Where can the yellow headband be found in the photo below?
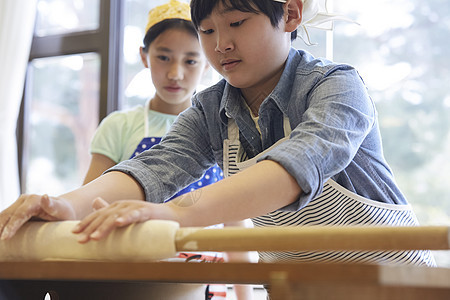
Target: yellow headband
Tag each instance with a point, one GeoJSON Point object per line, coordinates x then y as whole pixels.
{"type": "Point", "coordinates": [172, 10]}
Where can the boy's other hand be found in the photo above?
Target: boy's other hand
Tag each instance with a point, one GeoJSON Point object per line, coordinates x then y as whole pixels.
{"type": "Point", "coordinates": [106, 218]}
{"type": "Point", "coordinates": [31, 206]}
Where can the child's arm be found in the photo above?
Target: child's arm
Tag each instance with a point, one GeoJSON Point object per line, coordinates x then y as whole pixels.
{"type": "Point", "coordinates": [99, 164]}
{"type": "Point", "coordinates": [256, 191]}
{"type": "Point", "coordinates": [112, 186]}
{"type": "Point", "coordinates": [260, 189]}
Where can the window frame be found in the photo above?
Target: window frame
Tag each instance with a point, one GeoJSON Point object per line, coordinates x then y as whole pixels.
{"type": "Point", "coordinates": [106, 41]}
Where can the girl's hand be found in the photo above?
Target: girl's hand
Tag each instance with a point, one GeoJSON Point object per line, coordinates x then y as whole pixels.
{"type": "Point", "coordinates": [106, 218]}
{"type": "Point", "coordinates": [41, 207]}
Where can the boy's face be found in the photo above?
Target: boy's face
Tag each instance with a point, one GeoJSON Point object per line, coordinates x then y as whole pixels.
{"type": "Point", "coordinates": [244, 47]}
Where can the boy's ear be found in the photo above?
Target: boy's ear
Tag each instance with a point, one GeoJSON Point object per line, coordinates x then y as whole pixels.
{"type": "Point", "coordinates": [143, 57]}
{"type": "Point", "coordinates": [293, 13]}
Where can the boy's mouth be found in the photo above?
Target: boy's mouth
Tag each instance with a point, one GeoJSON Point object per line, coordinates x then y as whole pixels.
{"type": "Point", "coordinates": [228, 64]}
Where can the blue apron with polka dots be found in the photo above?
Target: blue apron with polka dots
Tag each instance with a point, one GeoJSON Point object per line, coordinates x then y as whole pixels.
{"type": "Point", "coordinates": [212, 175]}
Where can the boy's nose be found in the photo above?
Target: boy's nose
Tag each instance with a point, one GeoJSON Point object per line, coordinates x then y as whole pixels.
{"type": "Point", "coordinates": [224, 45]}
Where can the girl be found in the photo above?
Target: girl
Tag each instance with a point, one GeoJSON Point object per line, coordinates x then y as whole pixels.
{"type": "Point", "coordinates": [172, 53]}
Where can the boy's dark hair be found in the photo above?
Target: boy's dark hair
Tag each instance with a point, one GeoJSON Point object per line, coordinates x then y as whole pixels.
{"type": "Point", "coordinates": [201, 9]}
{"type": "Point", "coordinates": [154, 31]}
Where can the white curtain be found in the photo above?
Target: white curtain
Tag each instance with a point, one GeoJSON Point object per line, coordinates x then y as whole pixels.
{"type": "Point", "coordinates": [16, 31]}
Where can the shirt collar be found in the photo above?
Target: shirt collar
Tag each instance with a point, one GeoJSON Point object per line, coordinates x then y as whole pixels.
{"type": "Point", "coordinates": [231, 102]}
{"type": "Point", "coordinates": [281, 94]}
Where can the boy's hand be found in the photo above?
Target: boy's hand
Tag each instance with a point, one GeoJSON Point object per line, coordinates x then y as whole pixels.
{"type": "Point", "coordinates": [106, 218]}
{"type": "Point", "coordinates": [41, 207]}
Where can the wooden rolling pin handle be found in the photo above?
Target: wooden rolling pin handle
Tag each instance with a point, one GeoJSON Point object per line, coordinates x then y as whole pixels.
{"type": "Point", "coordinates": [313, 238]}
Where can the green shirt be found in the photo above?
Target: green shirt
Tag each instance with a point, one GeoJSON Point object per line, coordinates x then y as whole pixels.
{"type": "Point", "coordinates": [120, 132]}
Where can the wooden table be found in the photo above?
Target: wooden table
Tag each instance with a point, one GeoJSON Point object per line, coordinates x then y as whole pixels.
{"type": "Point", "coordinates": [124, 280]}
{"type": "Point", "coordinates": [110, 279]}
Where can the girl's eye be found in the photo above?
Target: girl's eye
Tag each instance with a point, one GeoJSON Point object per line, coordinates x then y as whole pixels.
{"type": "Point", "coordinates": [236, 24]}
{"type": "Point", "coordinates": [191, 62]}
{"type": "Point", "coordinates": [163, 58]}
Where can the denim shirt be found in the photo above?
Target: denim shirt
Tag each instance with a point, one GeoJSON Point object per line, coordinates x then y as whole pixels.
{"type": "Point", "coordinates": [334, 135]}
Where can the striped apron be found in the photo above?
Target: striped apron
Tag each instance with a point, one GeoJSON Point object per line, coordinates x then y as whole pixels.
{"type": "Point", "coordinates": [334, 206]}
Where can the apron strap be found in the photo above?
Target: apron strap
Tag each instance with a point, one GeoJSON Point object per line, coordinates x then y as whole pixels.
{"type": "Point", "coordinates": [233, 130]}
{"type": "Point", "coordinates": [286, 126]}
{"type": "Point", "coordinates": [146, 110]}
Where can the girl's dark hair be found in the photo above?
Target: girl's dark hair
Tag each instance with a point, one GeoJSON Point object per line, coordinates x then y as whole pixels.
{"type": "Point", "coordinates": [154, 31]}
{"type": "Point", "coordinates": [201, 9]}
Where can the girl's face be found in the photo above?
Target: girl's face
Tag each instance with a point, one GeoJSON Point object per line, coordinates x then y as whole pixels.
{"type": "Point", "coordinates": [245, 49]}
{"type": "Point", "coordinates": [177, 64]}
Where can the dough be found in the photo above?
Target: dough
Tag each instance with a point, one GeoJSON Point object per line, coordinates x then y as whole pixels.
{"type": "Point", "coordinates": [37, 241]}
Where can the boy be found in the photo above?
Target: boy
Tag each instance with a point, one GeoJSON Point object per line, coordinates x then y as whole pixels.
{"type": "Point", "coordinates": [299, 135]}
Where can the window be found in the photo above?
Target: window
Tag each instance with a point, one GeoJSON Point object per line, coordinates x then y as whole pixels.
{"type": "Point", "coordinates": [66, 16]}
{"type": "Point", "coordinates": [400, 51]}
{"type": "Point", "coordinates": [72, 83]}
{"type": "Point", "coordinates": [63, 116]}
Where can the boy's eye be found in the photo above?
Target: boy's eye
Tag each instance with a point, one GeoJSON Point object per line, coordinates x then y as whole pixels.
{"type": "Point", "coordinates": [236, 24]}
{"type": "Point", "coordinates": [191, 62]}
{"type": "Point", "coordinates": [207, 31]}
